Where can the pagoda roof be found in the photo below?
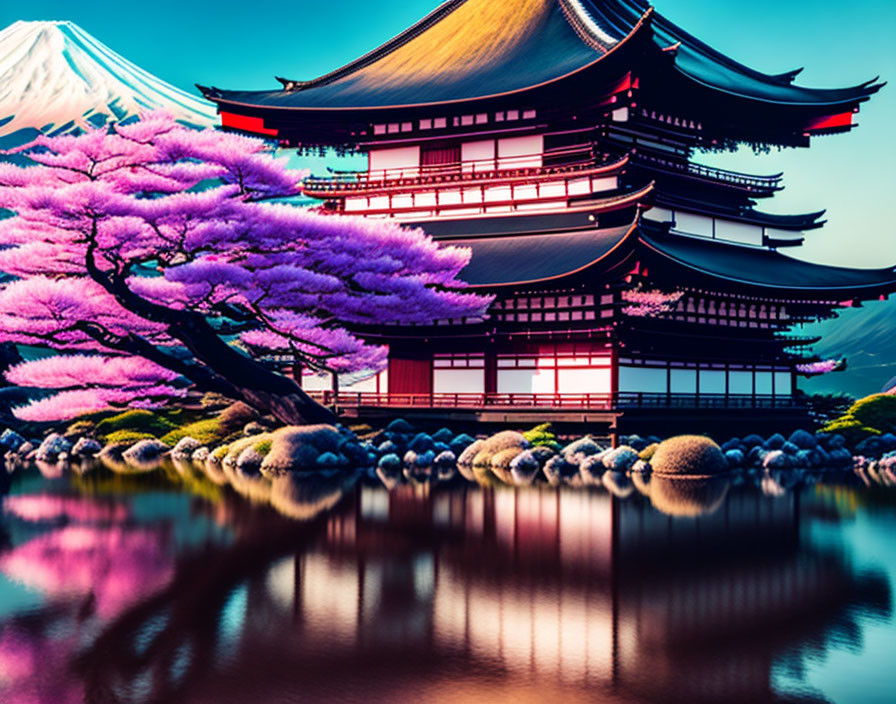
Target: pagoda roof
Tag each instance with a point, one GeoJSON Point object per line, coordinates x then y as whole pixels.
{"type": "Point", "coordinates": [755, 267]}
{"type": "Point", "coordinates": [476, 49]}
{"type": "Point", "coordinates": [536, 258]}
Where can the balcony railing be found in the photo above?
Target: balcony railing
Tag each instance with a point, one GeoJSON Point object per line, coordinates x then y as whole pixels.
{"type": "Point", "coordinates": [748, 181]}
{"type": "Point", "coordinates": [570, 402]}
{"type": "Point", "coordinates": [521, 169]}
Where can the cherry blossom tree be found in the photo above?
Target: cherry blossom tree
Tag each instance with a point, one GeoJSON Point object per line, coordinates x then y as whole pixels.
{"type": "Point", "coordinates": [160, 258]}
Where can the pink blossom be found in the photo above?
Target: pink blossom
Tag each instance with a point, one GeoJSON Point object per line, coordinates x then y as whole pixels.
{"type": "Point", "coordinates": [823, 367]}
{"type": "Point", "coordinates": [116, 564]}
{"type": "Point", "coordinates": [50, 507]}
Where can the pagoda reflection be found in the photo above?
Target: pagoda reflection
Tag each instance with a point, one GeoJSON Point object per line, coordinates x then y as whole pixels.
{"type": "Point", "coordinates": [420, 591]}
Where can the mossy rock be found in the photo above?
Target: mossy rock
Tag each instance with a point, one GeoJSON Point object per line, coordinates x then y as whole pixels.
{"type": "Point", "coordinates": [263, 446]}
{"type": "Point", "coordinates": [469, 453]}
{"type": "Point", "coordinates": [648, 452]}
{"type": "Point", "coordinates": [505, 440]}
{"type": "Point", "coordinates": [542, 435]}
{"type": "Point", "coordinates": [689, 455]}
{"type": "Point", "coordinates": [236, 417]}
{"type": "Point", "coordinates": [127, 437]}
{"type": "Point", "coordinates": [80, 428]}
{"type": "Point", "coordinates": [206, 432]}
{"type": "Point", "coordinates": [878, 411]}
{"type": "Point", "coordinates": [220, 452]}
{"type": "Point", "coordinates": [236, 448]}
{"type": "Point", "coordinates": [137, 421]}
{"type": "Point", "coordinates": [851, 429]}
{"type": "Point", "coordinates": [296, 448]}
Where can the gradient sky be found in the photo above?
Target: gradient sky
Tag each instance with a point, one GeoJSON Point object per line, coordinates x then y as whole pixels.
{"type": "Point", "coordinates": [842, 43]}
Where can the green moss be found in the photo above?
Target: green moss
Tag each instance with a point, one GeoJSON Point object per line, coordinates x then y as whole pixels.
{"type": "Point", "coordinates": [263, 447]}
{"type": "Point", "coordinates": [220, 452]}
{"type": "Point", "coordinates": [80, 427]}
{"type": "Point", "coordinates": [137, 421]}
{"type": "Point", "coordinates": [851, 428]}
{"type": "Point", "coordinates": [878, 412]}
{"type": "Point", "coordinates": [126, 437]}
{"type": "Point", "coordinates": [648, 452]}
{"type": "Point", "coordinates": [541, 435]}
{"type": "Point", "coordinates": [206, 432]}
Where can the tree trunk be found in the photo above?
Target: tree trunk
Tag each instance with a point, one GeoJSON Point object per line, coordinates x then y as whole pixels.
{"type": "Point", "coordinates": [253, 382]}
{"type": "Point", "coordinates": [335, 376]}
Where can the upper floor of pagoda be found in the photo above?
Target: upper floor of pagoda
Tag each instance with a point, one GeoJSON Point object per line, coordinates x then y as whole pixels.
{"type": "Point", "coordinates": [546, 61]}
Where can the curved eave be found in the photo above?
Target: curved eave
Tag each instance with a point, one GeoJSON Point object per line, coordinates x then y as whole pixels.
{"type": "Point", "coordinates": [769, 270]}
{"type": "Point", "coordinates": [814, 98]}
{"type": "Point", "coordinates": [798, 222]}
{"type": "Point", "coordinates": [503, 262]}
{"type": "Point", "coordinates": [668, 33]}
{"type": "Point", "coordinates": [219, 96]}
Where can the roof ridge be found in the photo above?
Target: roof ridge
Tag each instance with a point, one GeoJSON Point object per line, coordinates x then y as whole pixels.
{"type": "Point", "coordinates": [585, 27]}
{"type": "Point", "coordinates": [396, 42]}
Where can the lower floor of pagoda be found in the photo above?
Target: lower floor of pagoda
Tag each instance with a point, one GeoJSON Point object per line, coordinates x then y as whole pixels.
{"type": "Point", "coordinates": [589, 382]}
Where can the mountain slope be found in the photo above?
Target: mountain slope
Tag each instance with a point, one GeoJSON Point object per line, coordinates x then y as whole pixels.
{"type": "Point", "coordinates": [55, 77]}
{"type": "Point", "coordinates": [867, 338]}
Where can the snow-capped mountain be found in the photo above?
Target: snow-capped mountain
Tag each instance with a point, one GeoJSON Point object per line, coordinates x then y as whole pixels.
{"type": "Point", "coordinates": [55, 77]}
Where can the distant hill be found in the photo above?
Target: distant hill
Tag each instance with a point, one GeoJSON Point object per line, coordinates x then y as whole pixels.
{"type": "Point", "coordinates": [56, 78]}
{"type": "Point", "coordinates": [867, 338]}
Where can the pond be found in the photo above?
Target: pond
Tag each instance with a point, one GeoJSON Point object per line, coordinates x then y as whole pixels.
{"type": "Point", "coordinates": [165, 587]}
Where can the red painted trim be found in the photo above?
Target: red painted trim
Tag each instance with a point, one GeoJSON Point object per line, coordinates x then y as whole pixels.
{"type": "Point", "coordinates": [246, 124]}
{"type": "Point", "coordinates": [844, 119]}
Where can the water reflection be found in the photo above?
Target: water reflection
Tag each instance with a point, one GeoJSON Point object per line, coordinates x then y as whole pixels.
{"type": "Point", "coordinates": [685, 592]}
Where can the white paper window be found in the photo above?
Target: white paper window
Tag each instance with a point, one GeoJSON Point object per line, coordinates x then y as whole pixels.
{"type": "Point", "coordinates": [740, 383]}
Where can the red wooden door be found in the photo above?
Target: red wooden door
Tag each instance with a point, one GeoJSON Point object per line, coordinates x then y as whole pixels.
{"type": "Point", "coordinates": [410, 376]}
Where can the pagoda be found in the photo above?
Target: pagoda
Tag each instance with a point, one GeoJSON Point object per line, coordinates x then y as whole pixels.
{"type": "Point", "coordinates": [557, 140]}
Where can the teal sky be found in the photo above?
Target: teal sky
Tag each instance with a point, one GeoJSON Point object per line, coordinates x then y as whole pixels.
{"type": "Point", "coordinates": [843, 43]}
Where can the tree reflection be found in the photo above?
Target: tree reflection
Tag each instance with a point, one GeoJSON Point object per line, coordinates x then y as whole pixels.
{"type": "Point", "coordinates": [406, 594]}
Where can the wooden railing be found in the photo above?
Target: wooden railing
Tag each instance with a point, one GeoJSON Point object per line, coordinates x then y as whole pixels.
{"type": "Point", "coordinates": [587, 402]}
{"type": "Point", "coordinates": [750, 181]}
{"type": "Point", "coordinates": [479, 172]}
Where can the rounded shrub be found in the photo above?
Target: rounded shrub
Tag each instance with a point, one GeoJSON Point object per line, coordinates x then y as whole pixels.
{"type": "Point", "coordinates": [689, 455]}
{"type": "Point", "coordinates": [878, 412]}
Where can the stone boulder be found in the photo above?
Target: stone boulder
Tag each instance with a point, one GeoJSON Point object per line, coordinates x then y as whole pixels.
{"type": "Point", "coordinates": [185, 448]}
{"type": "Point", "coordinates": [52, 446]}
{"type": "Point", "coordinates": [621, 459]}
{"type": "Point", "coordinates": [777, 459]}
{"type": "Point", "coordinates": [751, 441]}
{"type": "Point", "coordinates": [145, 452]}
{"type": "Point", "coordinates": [296, 448]}
{"type": "Point", "coordinates": [505, 440]}
{"type": "Point", "coordinates": [400, 425]}
{"type": "Point", "coordinates": [581, 448]}
{"type": "Point", "coordinates": [11, 440]}
{"type": "Point", "coordinates": [803, 439]}
{"type": "Point", "coordinates": [693, 455]}
{"type": "Point", "coordinates": [445, 460]}
{"type": "Point", "coordinates": [775, 442]}
{"type": "Point", "coordinates": [524, 467]}
{"type": "Point", "coordinates": [86, 447]}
